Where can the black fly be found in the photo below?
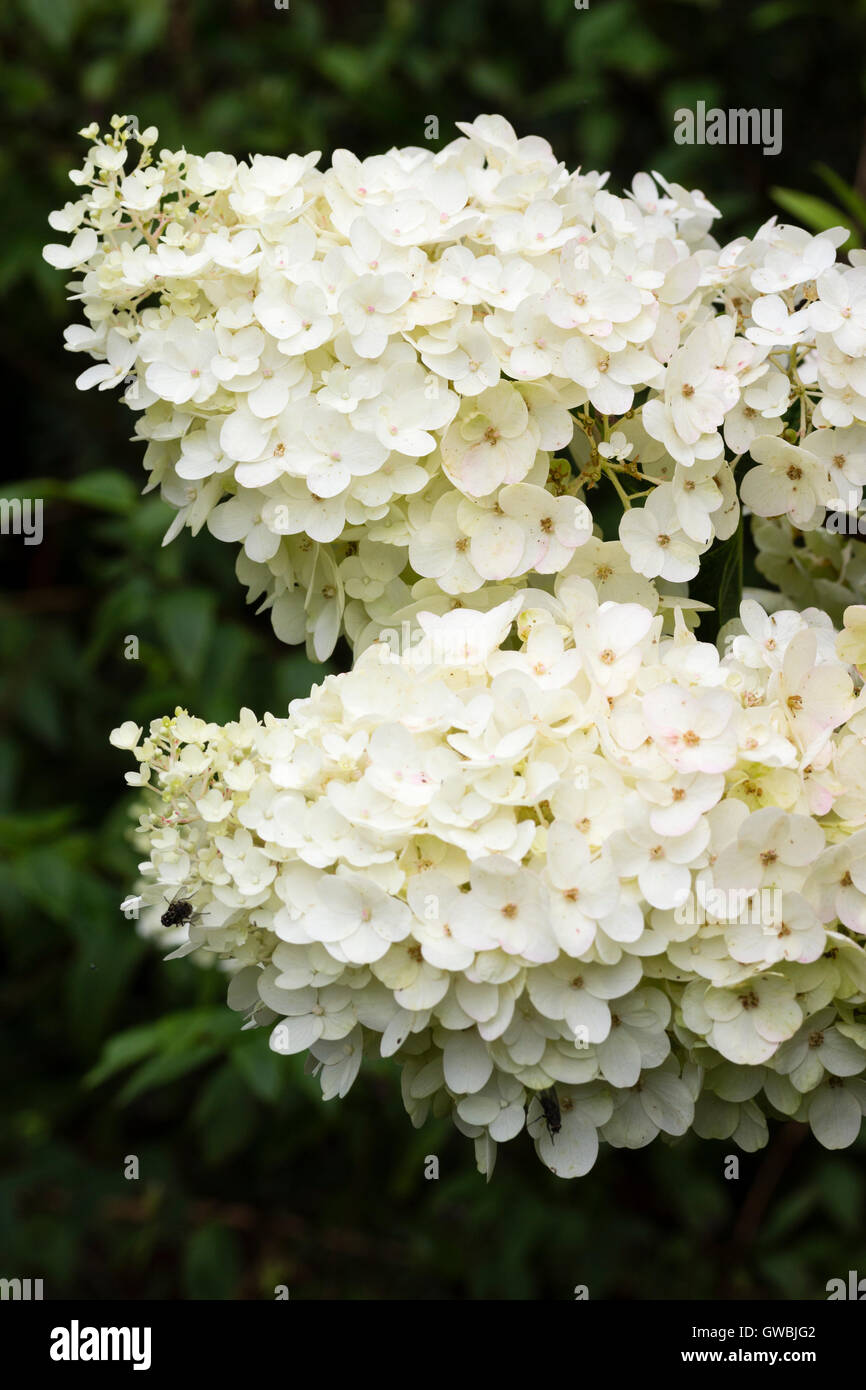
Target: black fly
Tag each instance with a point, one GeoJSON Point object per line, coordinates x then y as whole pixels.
{"type": "Point", "coordinates": [179, 910]}
{"type": "Point", "coordinates": [549, 1103]}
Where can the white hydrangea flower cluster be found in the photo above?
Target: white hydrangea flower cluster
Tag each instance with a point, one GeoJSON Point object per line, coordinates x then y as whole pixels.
{"type": "Point", "coordinates": [364, 375]}
{"type": "Point", "coordinates": [580, 855]}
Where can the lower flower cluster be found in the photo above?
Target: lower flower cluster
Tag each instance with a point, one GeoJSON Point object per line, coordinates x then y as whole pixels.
{"type": "Point", "coordinates": [572, 874]}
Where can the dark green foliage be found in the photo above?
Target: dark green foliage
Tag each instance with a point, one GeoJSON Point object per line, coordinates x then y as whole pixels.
{"type": "Point", "coordinates": [247, 1180]}
{"type": "Point", "coordinates": [720, 583]}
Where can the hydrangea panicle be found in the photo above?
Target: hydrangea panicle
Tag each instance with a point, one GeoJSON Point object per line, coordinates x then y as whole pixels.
{"type": "Point", "coordinates": [554, 848]}
{"type": "Point", "coordinates": [397, 379]}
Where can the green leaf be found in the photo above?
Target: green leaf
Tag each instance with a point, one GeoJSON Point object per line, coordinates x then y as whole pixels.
{"type": "Point", "coordinates": [106, 489]}
{"type": "Point", "coordinates": [261, 1068]}
{"type": "Point", "coordinates": [212, 1265]}
{"type": "Point", "coordinates": [107, 956]}
{"type": "Point", "coordinates": [720, 583]}
{"type": "Point", "coordinates": [148, 23]}
{"type": "Point", "coordinates": [55, 21]}
{"type": "Point", "coordinates": [815, 213]}
{"type": "Point", "coordinates": [119, 614]}
{"type": "Point", "coordinates": [17, 832]}
{"type": "Point", "coordinates": [348, 68]}
{"type": "Point", "coordinates": [186, 623]}
{"type": "Point", "coordinates": [848, 197]}
{"type": "Point", "coordinates": [169, 1066]}
{"type": "Point", "coordinates": [42, 710]}
{"type": "Point", "coordinates": [787, 1213]}
{"type": "Point", "coordinates": [841, 1194]}
{"type": "Point", "coordinates": [51, 882]}
{"type": "Point", "coordinates": [46, 488]}
{"type": "Point", "coordinates": [124, 1049]}
{"type": "Point", "coordinates": [771, 15]}
{"type": "Point", "coordinates": [174, 1034]}
{"type": "Point", "coordinates": [226, 1114]}
{"type": "Point", "coordinates": [100, 78]}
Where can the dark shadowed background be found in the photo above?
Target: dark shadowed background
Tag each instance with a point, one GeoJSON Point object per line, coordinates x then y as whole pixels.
{"type": "Point", "coordinates": [247, 1179]}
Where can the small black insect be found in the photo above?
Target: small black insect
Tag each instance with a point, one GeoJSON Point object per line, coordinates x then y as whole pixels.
{"type": "Point", "coordinates": [550, 1107]}
{"type": "Point", "coordinates": [178, 911]}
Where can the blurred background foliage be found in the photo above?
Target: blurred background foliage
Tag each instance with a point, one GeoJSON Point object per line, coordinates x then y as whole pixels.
{"type": "Point", "coordinates": [247, 1180]}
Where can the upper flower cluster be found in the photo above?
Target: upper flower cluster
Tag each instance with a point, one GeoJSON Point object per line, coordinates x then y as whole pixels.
{"type": "Point", "coordinates": [364, 374]}
{"type": "Point", "coordinates": [599, 859]}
